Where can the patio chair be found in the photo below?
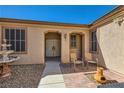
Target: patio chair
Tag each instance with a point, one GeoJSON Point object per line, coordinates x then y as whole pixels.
{"type": "Point", "coordinates": [88, 62]}
{"type": "Point", "coordinates": [75, 62]}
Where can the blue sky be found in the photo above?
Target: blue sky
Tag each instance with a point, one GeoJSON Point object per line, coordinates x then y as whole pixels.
{"type": "Point", "coordinates": [83, 14]}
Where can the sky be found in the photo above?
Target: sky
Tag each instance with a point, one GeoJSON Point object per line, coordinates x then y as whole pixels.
{"type": "Point", "coordinates": [76, 14]}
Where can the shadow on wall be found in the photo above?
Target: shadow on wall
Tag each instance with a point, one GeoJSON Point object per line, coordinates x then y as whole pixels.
{"type": "Point", "coordinates": [99, 55]}
{"type": "Point", "coordinates": [101, 58]}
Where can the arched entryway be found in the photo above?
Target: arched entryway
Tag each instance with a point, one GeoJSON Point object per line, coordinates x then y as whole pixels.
{"type": "Point", "coordinates": [52, 46]}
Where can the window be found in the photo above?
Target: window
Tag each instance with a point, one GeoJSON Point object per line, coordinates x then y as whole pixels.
{"type": "Point", "coordinates": [73, 41]}
{"type": "Point", "coordinates": [15, 37]}
{"type": "Point", "coordinates": [93, 41]}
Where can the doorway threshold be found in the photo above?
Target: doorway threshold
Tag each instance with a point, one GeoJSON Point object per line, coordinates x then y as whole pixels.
{"type": "Point", "coordinates": [53, 59]}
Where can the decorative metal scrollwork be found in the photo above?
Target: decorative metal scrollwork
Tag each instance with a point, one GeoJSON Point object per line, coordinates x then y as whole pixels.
{"type": "Point", "coordinates": [119, 21]}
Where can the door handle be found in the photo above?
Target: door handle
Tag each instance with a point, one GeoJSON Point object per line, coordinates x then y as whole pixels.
{"type": "Point", "coordinates": [53, 48]}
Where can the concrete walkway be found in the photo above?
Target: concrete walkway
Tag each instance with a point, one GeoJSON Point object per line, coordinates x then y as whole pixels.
{"type": "Point", "coordinates": [52, 76]}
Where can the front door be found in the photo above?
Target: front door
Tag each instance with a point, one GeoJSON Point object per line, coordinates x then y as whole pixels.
{"type": "Point", "coordinates": [52, 48]}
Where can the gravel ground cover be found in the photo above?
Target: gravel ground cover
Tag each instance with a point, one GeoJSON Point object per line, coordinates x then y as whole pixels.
{"type": "Point", "coordinates": [23, 76]}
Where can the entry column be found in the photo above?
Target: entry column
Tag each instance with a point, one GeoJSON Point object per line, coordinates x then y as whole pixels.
{"type": "Point", "coordinates": [43, 47]}
{"type": "Point", "coordinates": [65, 47]}
{"type": "Point", "coordinates": [0, 34]}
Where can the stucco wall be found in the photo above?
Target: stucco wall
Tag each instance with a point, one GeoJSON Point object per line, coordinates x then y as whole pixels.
{"type": "Point", "coordinates": [36, 40]}
{"type": "Point", "coordinates": [111, 45]}
{"type": "Point", "coordinates": [34, 53]}
{"type": "Point", "coordinates": [52, 36]}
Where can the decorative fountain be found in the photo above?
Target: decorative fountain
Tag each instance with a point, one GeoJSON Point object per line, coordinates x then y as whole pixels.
{"type": "Point", "coordinates": [99, 75]}
{"type": "Point", "coordinates": [6, 59]}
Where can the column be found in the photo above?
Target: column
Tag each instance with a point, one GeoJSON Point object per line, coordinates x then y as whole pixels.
{"type": "Point", "coordinates": [65, 58]}
{"type": "Point", "coordinates": [83, 46]}
{"type": "Point", "coordinates": [43, 47]}
{"type": "Point", "coordinates": [0, 35]}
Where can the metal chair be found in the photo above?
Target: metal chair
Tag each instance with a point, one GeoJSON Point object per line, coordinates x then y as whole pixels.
{"type": "Point", "coordinates": [74, 60]}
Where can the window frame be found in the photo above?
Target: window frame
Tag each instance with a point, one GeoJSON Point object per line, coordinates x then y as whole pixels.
{"type": "Point", "coordinates": [12, 27]}
{"type": "Point", "coordinates": [93, 42]}
{"type": "Point", "coordinates": [73, 41]}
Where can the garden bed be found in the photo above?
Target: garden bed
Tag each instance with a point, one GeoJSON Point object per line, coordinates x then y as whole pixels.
{"type": "Point", "coordinates": [23, 76]}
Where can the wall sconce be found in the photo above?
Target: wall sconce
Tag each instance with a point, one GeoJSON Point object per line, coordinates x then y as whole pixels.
{"type": "Point", "coordinates": [65, 36]}
{"type": "Point", "coordinates": [120, 21]}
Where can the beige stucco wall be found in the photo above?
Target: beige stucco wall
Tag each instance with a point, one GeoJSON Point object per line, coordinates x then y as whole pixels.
{"type": "Point", "coordinates": [53, 36]}
{"type": "Point", "coordinates": [111, 44]}
{"type": "Point", "coordinates": [36, 40]}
